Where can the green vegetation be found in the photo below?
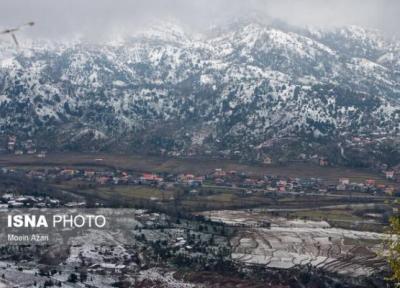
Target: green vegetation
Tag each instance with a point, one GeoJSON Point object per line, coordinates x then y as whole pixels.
{"type": "Point", "coordinates": [394, 249]}
{"type": "Point", "coordinates": [133, 192]}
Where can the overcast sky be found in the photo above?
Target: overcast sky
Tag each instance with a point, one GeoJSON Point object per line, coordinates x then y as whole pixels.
{"type": "Point", "coordinates": [96, 18]}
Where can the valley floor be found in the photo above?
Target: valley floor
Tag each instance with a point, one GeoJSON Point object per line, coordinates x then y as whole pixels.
{"type": "Point", "coordinates": [340, 234]}
{"type": "Point", "coordinates": [186, 165]}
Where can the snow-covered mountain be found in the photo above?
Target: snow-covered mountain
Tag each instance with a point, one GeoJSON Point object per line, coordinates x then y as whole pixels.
{"type": "Point", "coordinates": [243, 90]}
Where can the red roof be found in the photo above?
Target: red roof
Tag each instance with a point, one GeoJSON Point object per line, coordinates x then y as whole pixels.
{"type": "Point", "coordinates": [151, 177]}
{"type": "Point", "coordinates": [148, 176]}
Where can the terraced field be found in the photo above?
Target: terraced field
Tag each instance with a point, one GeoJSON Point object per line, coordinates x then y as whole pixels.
{"type": "Point", "coordinates": [323, 248]}
{"type": "Point", "coordinates": [289, 243]}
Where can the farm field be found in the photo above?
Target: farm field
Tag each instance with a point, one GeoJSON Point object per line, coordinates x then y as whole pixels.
{"type": "Point", "coordinates": [288, 243]}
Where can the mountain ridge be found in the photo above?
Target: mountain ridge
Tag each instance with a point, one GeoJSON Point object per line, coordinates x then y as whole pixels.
{"type": "Point", "coordinates": [226, 95]}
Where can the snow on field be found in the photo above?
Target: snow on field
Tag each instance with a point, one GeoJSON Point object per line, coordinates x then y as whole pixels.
{"type": "Point", "coordinates": [297, 242]}
{"type": "Point", "coordinates": [252, 218]}
{"type": "Point", "coordinates": [326, 248]}
{"type": "Point", "coordinates": [164, 279]}
{"type": "Point", "coordinates": [119, 83]}
{"type": "Point", "coordinates": [86, 246]}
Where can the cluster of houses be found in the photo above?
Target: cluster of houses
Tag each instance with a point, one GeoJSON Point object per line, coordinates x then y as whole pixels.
{"type": "Point", "coordinates": [217, 177]}
{"type": "Point", "coordinates": [106, 177]}
{"type": "Point", "coordinates": [290, 184]}
{"type": "Point", "coordinates": [393, 173]}
{"type": "Point", "coordinates": [369, 185]}
{"type": "Point", "coordinates": [268, 183]}
{"type": "Point", "coordinates": [23, 147]}
{"type": "Point", "coordinates": [64, 174]}
{"type": "Point", "coordinates": [190, 180]}
{"type": "Point", "coordinates": [10, 200]}
{"type": "Point", "coordinates": [27, 201]}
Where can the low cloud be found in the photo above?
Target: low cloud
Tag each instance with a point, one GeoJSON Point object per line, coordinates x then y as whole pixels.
{"type": "Point", "coordinates": [106, 18]}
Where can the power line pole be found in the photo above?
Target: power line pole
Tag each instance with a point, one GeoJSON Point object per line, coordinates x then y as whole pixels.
{"type": "Point", "coordinates": [12, 31]}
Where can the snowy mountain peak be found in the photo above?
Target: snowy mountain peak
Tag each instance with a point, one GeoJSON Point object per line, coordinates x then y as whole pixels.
{"type": "Point", "coordinates": [244, 86]}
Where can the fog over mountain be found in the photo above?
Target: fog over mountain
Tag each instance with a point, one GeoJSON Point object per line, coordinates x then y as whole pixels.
{"type": "Point", "coordinates": [105, 19]}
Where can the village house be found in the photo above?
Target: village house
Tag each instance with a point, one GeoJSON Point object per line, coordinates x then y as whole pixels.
{"type": "Point", "coordinates": [41, 154]}
{"type": "Point", "coordinates": [289, 186]}
{"type": "Point", "coordinates": [185, 177]}
{"type": "Point", "coordinates": [116, 180]}
{"type": "Point", "coordinates": [267, 160]}
{"type": "Point", "coordinates": [102, 180]}
{"type": "Point", "coordinates": [111, 267]}
{"type": "Point", "coordinates": [359, 187]}
{"type": "Point", "coordinates": [249, 193]}
{"type": "Point", "coordinates": [341, 187]}
{"type": "Point", "coordinates": [249, 182]}
{"type": "Point", "coordinates": [282, 182]}
{"type": "Point", "coordinates": [12, 141]}
{"type": "Point", "coordinates": [67, 172]}
{"type": "Point", "coordinates": [323, 162]}
{"type": "Point", "coordinates": [11, 146]}
{"type": "Point", "coordinates": [28, 144]}
{"type": "Point", "coordinates": [190, 180]}
{"type": "Point", "coordinates": [282, 188]}
{"type": "Point", "coordinates": [331, 187]}
{"type": "Point", "coordinates": [389, 174]}
{"type": "Point", "coordinates": [7, 197]}
{"type": "Point", "coordinates": [89, 173]}
{"type": "Point", "coordinates": [378, 188]}
{"type": "Point", "coordinates": [270, 189]}
{"type": "Point", "coordinates": [105, 173]}
{"type": "Point", "coordinates": [124, 179]}
{"type": "Point", "coordinates": [260, 183]}
{"type": "Point", "coordinates": [15, 204]}
{"type": "Point", "coordinates": [180, 241]}
{"type": "Point", "coordinates": [31, 151]}
{"type": "Point", "coordinates": [194, 192]}
{"type": "Point", "coordinates": [35, 174]}
{"type": "Point", "coordinates": [75, 204]}
{"type": "Point", "coordinates": [390, 190]}
{"type": "Point", "coordinates": [218, 173]}
{"type": "Point", "coordinates": [28, 201]}
{"type": "Point", "coordinates": [370, 182]}
{"type": "Point", "coordinates": [396, 169]}
{"type": "Point", "coordinates": [149, 178]}
{"type": "Point", "coordinates": [344, 181]}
